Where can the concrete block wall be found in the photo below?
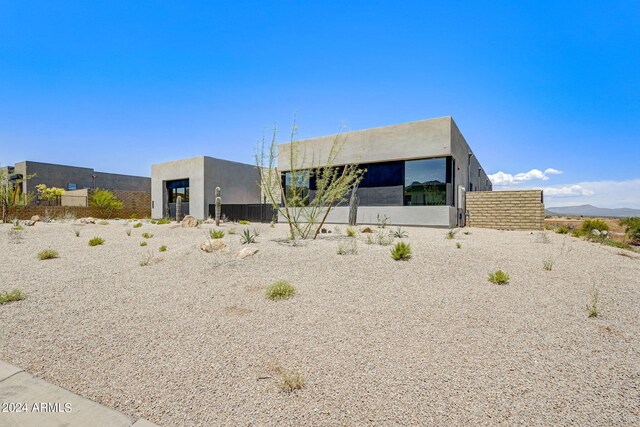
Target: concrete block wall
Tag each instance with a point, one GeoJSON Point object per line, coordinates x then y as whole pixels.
{"type": "Point", "coordinates": [506, 210]}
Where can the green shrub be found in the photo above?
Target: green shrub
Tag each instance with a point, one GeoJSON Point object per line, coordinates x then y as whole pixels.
{"type": "Point", "coordinates": [562, 230]}
{"type": "Point", "coordinates": [106, 202]}
{"type": "Point", "coordinates": [15, 295]}
{"type": "Point", "coordinates": [588, 225]}
{"type": "Point", "coordinates": [499, 277]}
{"type": "Point", "coordinates": [147, 235]}
{"type": "Point", "coordinates": [163, 248]}
{"type": "Point", "coordinates": [632, 228]}
{"type": "Point", "coordinates": [401, 251]}
{"type": "Point", "coordinates": [137, 225]}
{"type": "Point", "coordinates": [17, 228]}
{"type": "Point", "coordinates": [153, 221]}
{"type": "Point", "coordinates": [48, 254]}
{"type": "Point", "coordinates": [216, 234]}
{"type": "Point", "coordinates": [95, 241]}
{"type": "Point", "coordinates": [143, 243]}
{"type": "Point", "coordinates": [351, 248]}
{"type": "Point", "coordinates": [243, 222]}
{"type": "Point", "coordinates": [280, 290]}
{"type": "Point", "coordinates": [351, 231]}
{"type": "Point", "coordinates": [459, 245]}
{"type": "Point", "coordinates": [248, 237]}
{"type": "Point", "coordinates": [103, 222]}
{"type": "Point", "coordinates": [162, 221]}
{"type": "Point", "coordinates": [451, 234]}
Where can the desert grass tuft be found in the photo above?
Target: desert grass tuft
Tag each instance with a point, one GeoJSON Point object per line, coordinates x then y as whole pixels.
{"type": "Point", "coordinates": [499, 277]}
{"type": "Point", "coordinates": [48, 254]}
{"type": "Point", "coordinates": [95, 241]}
{"type": "Point", "coordinates": [216, 234]}
{"type": "Point", "coordinates": [280, 290]}
{"type": "Point", "coordinates": [14, 295]}
{"type": "Point", "coordinates": [290, 381]}
{"type": "Point", "coordinates": [401, 251]}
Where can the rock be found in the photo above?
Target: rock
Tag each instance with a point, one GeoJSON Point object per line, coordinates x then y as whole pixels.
{"type": "Point", "coordinates": [595, 232]}
{"type": "Point", "coordinates": [604, 232]}
{"type": "Point", "coordinates": [247, 252]}
{"type": "Point", "coordinates": [36, 218]}
{"type": "Point", "coordinates": [323, 230]}
{"type": "Point", "coordinates": [88, 220]}
{"type": "Point", "coordinates": [29, 223]}
{"type": "Point", "coordinates": [207, 247]}
{"type": "Point", "coordinates": [219, 245]}
{"type": "Point", "coordinates": [189, 221]}
{"type": "Point", "coordinates": [209, 221]}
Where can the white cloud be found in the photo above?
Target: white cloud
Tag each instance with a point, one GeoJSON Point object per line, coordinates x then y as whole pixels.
{"type": "Point", "coordinates": [568, 190]}
{"type": "Point", "coordinates": [603, 194]}
{"type": "Point", "coordinates": [505, 179]}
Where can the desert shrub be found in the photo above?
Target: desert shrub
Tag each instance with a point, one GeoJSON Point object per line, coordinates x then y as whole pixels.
{"type": "Point", "coordinates": [382, 221]}
{"type": "Point", "coordinates": [163, 248]}
{"type": "Point", "coordinates": [451, 234]}
{"type": "Point", "coordinates": [610, 242]}
{"type": "Point", "coordinates": [103, 222]}
{"type": "Point", "coordinates": [588, 225]}
{"type": "Point", "coordinates": [351, 231]}
{"type": "Point", "coordinates": [547, 263]}
{"type": "Point", "coordinates": [216, 234]}
{"type": "Point", "coordinates": [290, 381]}
{"type": "Point", "coordinates": [499, 277]}
{"type": "Point", "coordinates": [128, 231]}
{"type": "Point", "coordinates": [17, 228]}
{"type": "Point", "coordinates": [399, 233]}
{"type": "Point", "coordinates": [243, 222]}
{"type": "Point", "coordinates": [593, 308]}
{"type": "Point", "coordinates": [153, 221]}
{"type": "Point", "coordinates": [348, 249]}
{"type": "Point", "coordinates": [106, 202]}
{"type": "Point", "coordinates": [280, 290]}
{"type": "Point", "coordinates": [232, 230]}
{"type": "Point", "coordinates": [15, 235]}
{"type": "Point", "coordinates": [76, 231]}
{"type": "Point", "coordinates": [162, 221]}
{"type": "Point", "coordinates": [14, 295]}
{"type": "Point", "coordinates": [458, 245]}
{"type": "Point", "coordinates": [48, 254]}
{"type": "Point", "coordinates": [143, 243]}
{"type": "Point", "coordinates": [146, 258]}
{"type": "Point", "coordinates": [147, 235]}
{"type": "Point", "coordinates": [137, 225]}
{"type": "Point", "coordinates": [632, 228]}
{"type": "Point", "coordinates": [562, 230]}
{"type": "Point", "coordinates": [366, 229]}
{"type": "Point", "coordinates": [548, 227]}
{"type": "Point", "coordinates": [542, 238]}
{"type": "Point", "coordinates": [401, 251]}
{"type": "Point", "coordinates": [247, 237]}
{"type": "Point", "coordinates": [95, 241]}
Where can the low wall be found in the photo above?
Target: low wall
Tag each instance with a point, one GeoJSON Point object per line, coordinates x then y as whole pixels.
{"type": "Point", "coordinates": [432, 216]}
{"type": "Point", "coordinates": [506, 210]}
{"type": "Point", "coordinates": [136, 203]}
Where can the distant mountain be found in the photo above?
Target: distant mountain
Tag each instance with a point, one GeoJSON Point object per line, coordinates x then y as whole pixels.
{"type": "Point", "coordinates": [589, 210]}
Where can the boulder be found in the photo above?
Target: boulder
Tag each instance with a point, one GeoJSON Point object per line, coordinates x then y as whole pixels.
{"type": "Point", "coordinates": [248, 251]}
{"type": "Point", "coordinates": [323, 230]}
{"type": "Point", "coordinates": [595, 232]}
{"type": "Point", "coordinates": [29, 223]}
{"type": "Point", "coordinates": [207, 246]}
{"type": "Point", "coordinates": [209, 221]}
{"type": "Point", "coordinates": [36, 218]}
{"type": "Point", "coordinates": [604, 232]}
{"type": "Point", "coordinates": [88, 220]}
{"type": "Point", "coordinates": [218, 245]}
{"type": "Point", "coordinates": [189, 221]}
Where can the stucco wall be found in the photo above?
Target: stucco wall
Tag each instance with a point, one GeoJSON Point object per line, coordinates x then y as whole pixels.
{"type": "Point", "coordinates": [433, 216]}
{"type": "Point", "coordinates": [506, 210]}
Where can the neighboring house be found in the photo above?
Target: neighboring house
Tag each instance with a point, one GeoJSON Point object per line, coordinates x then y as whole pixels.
{"type": "Point", "coordinates": [417, 173]}
{"type": "Point", "coordinates": [72, 178]}
{"type": "Point", "coordinates": [195, 180]}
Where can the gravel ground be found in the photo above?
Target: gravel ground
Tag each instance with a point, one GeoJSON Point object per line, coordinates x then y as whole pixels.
{"type": "Point", "coordinates": [191, 339]}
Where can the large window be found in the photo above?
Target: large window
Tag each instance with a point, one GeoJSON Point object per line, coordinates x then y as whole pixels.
{"type": "Point", "coordinates": [177, 188]}
{"type": "Point", "coordinates": [425, 182]}
{"type": "Point", "coordinates": [299, 188]}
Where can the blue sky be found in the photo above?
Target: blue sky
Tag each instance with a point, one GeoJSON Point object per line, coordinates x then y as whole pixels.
{"type": "Point", "coordinates": [534, 86]}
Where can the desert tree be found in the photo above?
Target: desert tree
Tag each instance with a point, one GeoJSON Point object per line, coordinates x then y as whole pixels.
{"type": "Point", "coordinates": [304, 212]}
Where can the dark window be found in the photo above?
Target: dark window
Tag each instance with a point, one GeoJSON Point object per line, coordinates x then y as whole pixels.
{"type": "Point", "coordinates": [299, 189]}
{"type": "Point", "coordinates": [425, 182]}
{"type": "Point", "coordinates": [177, 188]}
{"type": "Point", "coordinates": [385, 174]}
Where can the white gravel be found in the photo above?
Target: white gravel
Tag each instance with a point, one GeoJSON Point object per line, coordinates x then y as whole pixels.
{"type": "Point", "coordinates": [189, 339]}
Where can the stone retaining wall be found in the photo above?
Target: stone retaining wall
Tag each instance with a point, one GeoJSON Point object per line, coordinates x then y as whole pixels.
{"type": "Point", "coordinates": [506, 210]}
